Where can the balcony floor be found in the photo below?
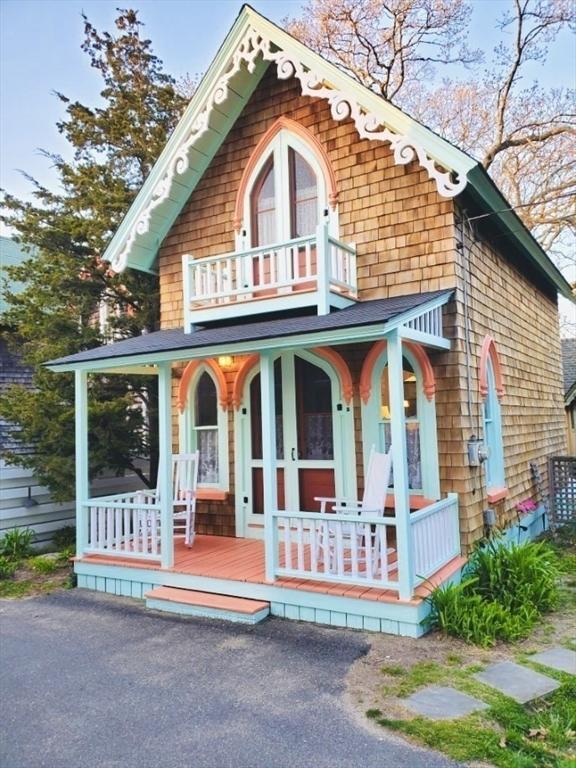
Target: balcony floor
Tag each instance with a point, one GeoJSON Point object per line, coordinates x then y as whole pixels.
{"type": "Point", "coordinates": [236, 559]}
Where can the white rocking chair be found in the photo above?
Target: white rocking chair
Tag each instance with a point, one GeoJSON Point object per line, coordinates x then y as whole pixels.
{"type": "Point", "coordinates": [372, 504]}
{"type": "Point", "coordinates": [185, 482]}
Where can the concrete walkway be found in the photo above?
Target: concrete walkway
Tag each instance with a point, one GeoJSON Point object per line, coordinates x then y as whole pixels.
{"type": "Point", "coordinates": [92, 681]}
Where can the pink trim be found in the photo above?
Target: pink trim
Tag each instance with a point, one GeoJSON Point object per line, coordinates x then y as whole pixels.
{"type": "Point", "coordinates": [494, 495]}
{"type": "Point", "coordinates": [188, 374]}
{"type": "Point", "coordinates": [489, 349]}
{"type": "Point", "coordinates": [365, 386]}
{"type": "Point", "coordinates": [341, 367]}
{"type": "Point", "coordinates": [273, 130]}
{"type": "Point", "coordinates": [428, 379]}
{"type": "Point", "coordinates": [240, 380]}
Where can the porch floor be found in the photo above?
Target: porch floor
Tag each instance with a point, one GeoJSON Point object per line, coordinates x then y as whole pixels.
{"type": "Point", "coordinates": [237, 559]}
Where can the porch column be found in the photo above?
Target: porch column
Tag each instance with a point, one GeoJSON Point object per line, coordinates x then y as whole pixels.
{"type": "Point", "coordinates": [81, 449]}
{"type": "Point", "coordinates": [400, 465]}
{"type": "Point", "coordinates": [269, 460]}
{"type": "Point", "coordinates": [164, 483]}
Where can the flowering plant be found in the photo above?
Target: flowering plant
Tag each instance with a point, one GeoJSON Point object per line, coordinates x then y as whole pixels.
{"type": "Point", "coordinates": [526, 506]}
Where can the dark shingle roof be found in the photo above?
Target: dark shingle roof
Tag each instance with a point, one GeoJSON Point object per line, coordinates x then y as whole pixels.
{"type": "Point", "coordinates": [569, 363]}
{"type": "Point", "coordinates": [363, 313]}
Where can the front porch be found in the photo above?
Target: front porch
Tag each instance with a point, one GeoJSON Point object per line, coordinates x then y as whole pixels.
{"type": "Point", "coordinates": [295, 419]}
{"type": "Point", "coordinates": [234, 566]}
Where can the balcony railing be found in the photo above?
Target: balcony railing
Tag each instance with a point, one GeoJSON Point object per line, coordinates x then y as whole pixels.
{"type": "Point", "coordinates": [315, 270]}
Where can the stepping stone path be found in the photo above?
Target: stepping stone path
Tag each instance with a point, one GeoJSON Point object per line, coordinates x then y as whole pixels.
{"type": "Point", "coordinates": [438, 703]}
{"type": "Point", "coordinates": [558, 658]}
{"type": "Point", "coordinates": [520, 683]}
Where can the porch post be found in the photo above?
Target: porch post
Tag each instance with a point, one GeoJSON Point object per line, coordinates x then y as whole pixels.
{"type": "Point", "coordinates": [268, 460]}
{"type": "Point", "coordinates": [81, 449]}
{"type": "Point", "coordinates": [323, 268]}
{"type": "Point", "coordinates": [164, 483]}
{"type": "Point", "coordinates": [400, 466]}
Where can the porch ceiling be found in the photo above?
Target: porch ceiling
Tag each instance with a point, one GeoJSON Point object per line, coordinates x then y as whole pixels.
{"type": "Point", "coordinates": [363, 321]}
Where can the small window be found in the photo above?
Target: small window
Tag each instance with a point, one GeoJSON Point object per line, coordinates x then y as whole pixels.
{"type": "Point", "coordinates": [412, 423]}
{"type": "Point", "coordinates": [494, 465]}
{"type": "Point", "coordinates": [206, 429]}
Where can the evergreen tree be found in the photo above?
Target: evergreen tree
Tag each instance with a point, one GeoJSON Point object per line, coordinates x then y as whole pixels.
{"type": "Point", "coordinates": [114, 146]}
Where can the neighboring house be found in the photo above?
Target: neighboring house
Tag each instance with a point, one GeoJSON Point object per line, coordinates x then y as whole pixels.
{"type": "Point", "coordinates": [24, 502]}
{"type": "Point", "coordinates": [569, 370]}
{"type": "Point", "coordinates": [322, 292]}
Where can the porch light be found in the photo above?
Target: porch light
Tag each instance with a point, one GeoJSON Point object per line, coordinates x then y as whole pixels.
{"type": "Point", "coordinates": [226, 361]}
{"type": "Point", "coordinates": [385, 410]}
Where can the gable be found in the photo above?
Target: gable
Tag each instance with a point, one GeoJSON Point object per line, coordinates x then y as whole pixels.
{"type": "Point", "coordinates": [252, 46]}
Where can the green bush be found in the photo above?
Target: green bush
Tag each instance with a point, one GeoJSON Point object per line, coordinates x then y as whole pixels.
{"type": "Point", "coordinates": [504, 592]}
{"type": "Point", "coordinates": [43, 564]}
{"type": "Point", "coordinates": [17, 543]}
{"type": "Point", "coordinates": [516, 575]}
{"type": "Point", "coordinates": [64, 538]}
{"type": "Point", "coordinates": [7, 568]}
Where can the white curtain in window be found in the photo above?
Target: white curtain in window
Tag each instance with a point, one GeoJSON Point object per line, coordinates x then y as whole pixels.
{"type": "Point", "coordinates": [207, 442]}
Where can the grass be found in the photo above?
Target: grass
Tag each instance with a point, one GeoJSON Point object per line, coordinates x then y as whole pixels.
{"type": "Point", "coordinates": [541, 734]}
{"type": "Point", "coordinates": [507, 734]}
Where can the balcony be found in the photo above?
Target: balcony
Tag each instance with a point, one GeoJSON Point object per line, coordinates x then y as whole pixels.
{"type": "Point", "coordinates": [314, 271]}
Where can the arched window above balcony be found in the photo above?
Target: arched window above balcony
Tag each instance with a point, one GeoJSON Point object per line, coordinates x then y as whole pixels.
{"type": "Point", "coordinates": [287, 188]}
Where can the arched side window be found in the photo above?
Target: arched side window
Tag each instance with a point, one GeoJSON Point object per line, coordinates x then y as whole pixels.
{"type": "Point", "coordinates": [287, 188]}
{"type": "Point", "coordinates": [492, 422]}
{"type": "Point", "coordinates": [204, 423]}
{"type": "Point", "coordinates": [420, 416]}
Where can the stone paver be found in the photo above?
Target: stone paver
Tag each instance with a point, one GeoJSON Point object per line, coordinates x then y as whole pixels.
{"type": "Point", "coordinates": [520, 683]}
{"type": "Point", "coordinates": [440, 703]}
{"type": "Point", "coordinates": [562, 659]}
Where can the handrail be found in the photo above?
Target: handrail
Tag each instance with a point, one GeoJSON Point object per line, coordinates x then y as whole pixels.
{"type": "Point", "coordinates": [256, 250]}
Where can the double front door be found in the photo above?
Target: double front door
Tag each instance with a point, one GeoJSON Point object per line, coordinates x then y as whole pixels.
{"type": "Point", "coordinates": [308, 438]}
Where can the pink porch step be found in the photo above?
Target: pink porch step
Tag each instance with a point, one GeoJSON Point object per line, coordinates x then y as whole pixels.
{"type": "Point", "coordinates": [192, 603]}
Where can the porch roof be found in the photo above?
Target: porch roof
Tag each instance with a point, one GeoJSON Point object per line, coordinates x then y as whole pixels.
{"type": "Point", "coordinates": [372, 319]}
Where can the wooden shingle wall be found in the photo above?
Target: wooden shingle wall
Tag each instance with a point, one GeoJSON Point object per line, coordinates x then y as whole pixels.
{"type": "Point", "coordinates": [523, 321]}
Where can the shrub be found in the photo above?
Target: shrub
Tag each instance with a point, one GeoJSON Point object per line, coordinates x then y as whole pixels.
{"type": "Point", "coordinates": [516, 575]}
{"type": "Point", "coordinates": [43, 564]}
{"type": "Point", "coordinates": [505, 590]}
{"type": "Point", "coordinates": [7, 568]}
{"type": "Point", "coordinates": [17, 543]}
{"type": "Point", "coordinates": [65, 537]}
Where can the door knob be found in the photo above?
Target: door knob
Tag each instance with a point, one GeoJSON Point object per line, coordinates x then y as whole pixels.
{"type": "Point", "coordinates": [293, 454]}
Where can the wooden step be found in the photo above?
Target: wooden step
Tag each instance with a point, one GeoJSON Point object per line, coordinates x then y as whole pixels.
{"type": "Point", "coordinates": [208, 604]}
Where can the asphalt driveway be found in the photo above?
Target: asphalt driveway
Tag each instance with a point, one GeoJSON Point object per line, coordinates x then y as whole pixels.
{"type": "Point", "coordinates": [92, 681]}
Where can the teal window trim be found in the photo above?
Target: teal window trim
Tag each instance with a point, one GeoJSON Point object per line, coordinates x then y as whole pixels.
{"type": "Point", "coordinates": [492, 424]}
{"type": "Point", "coordinates": [188, 431]}
{"type": "Point", "coordinates": [372, 426]}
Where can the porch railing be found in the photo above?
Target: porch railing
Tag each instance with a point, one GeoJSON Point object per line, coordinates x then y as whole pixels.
{"type": "Point", "coordinates": [315, 263]}
{"type": "Point", "coordinates": [435, 536]}
{"type": "Point", "coordinates": [334, 547]}
{"type": "Point", "coordinates": [124, 525]}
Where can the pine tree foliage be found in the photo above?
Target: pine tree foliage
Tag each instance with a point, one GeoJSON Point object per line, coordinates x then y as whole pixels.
{"type": "Point", "coordinates": [113, 146]}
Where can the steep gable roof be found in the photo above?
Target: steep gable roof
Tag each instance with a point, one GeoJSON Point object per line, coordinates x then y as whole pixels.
{"type": "Point", "coordinates": [252, 45]}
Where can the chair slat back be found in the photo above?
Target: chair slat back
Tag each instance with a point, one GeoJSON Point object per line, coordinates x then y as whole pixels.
{"type": "Point", "coordinates": [185, 474]}
{"type": "Point", "coordinates": [377, 481]}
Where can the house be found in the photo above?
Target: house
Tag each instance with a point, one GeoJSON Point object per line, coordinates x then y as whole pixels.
{"type": "Point", "coordinates": [569, 371]}
{"type": "Point", "coordinates": [334, 276]}
{"type": "Point", "coordinates": [24, 501]}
